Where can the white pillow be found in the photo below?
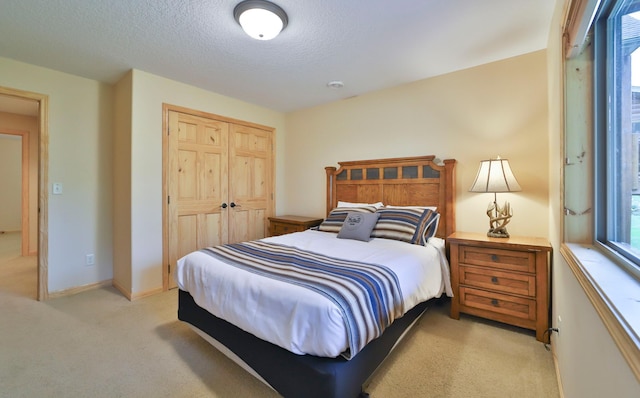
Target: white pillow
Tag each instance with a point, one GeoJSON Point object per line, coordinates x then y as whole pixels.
{"type": "Point", "coordinates": [377, 205]}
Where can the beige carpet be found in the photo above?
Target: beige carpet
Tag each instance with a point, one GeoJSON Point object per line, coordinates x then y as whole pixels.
{"type": "Point", "coordinates": [98, 344]}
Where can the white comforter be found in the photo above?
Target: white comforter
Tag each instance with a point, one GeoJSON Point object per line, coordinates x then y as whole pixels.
{"type": "Point", "coordinates": [298, 319]}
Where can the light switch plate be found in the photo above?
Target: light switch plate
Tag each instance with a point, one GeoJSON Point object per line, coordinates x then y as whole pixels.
{"type": "Point", "coordinates": [57, 188]}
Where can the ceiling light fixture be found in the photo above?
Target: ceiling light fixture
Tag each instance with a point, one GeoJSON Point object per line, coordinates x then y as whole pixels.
{"type": "Point", "coordinates": [335, 84]}
{"type": "Point", "coordinates": [260, 19]}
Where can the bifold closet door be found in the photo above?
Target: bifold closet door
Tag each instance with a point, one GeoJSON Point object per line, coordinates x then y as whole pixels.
{"type": "Point", "coordinates": [197, 184]}
{"type": "Point", "coordinates": [250, 182]}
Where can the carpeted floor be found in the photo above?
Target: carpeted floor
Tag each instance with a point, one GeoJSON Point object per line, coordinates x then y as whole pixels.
{"type": "Point", "coordinates": [98, 344]}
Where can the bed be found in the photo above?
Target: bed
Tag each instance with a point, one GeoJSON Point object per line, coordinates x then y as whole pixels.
{"type": "Point", "coordinates": [244, 310]}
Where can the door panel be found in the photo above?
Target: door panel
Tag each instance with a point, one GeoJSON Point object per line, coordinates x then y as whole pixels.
{"type": "Point", "coordinates": [197, 184]}
{"type": "Point", "coordinates": [211, 236]}
{"type": "Point", "coordinates": [212, 179]}
{"type": "Point", "coordinates": [250, 182]}
{"type": "Point", "coordinates": [187, 175]}
{"type": "Point", "coordinates": [260, 173]}
{"type": "Point", "coordinates": [241, 222]}
{"type": "Point", "coordinates": [187, 234]}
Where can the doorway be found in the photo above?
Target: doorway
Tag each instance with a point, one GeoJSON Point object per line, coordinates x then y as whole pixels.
{"type": "Point", "coordinates": [18, 102]}
{"type": "Point", "coordinates": [16, 205]}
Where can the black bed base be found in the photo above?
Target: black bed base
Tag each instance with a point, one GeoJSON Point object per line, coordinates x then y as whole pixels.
{"type": "Point", "coordinates": [294, 375]}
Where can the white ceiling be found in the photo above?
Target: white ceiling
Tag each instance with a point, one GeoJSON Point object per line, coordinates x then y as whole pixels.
{"type": "Point", "coordinates": [368, 44]}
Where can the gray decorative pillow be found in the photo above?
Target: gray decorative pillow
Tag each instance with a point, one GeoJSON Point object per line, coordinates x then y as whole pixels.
{"type": "Point", "coordinates": [358, 226]}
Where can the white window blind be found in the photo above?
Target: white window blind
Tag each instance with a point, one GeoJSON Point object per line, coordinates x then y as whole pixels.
{"type": "Point", "coordinates": [579, 18]}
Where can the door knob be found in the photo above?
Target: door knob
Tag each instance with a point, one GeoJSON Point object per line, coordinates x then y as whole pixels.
{"type": "Point", "coordinates": [232, 204]}
{"type": "Point", "coordinates": [224, 205]}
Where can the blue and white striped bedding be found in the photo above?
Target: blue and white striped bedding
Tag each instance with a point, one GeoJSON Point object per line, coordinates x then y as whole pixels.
{"type": "Point", "coordinates": [368, 295]}
{"type": "Point", "coordinates": [299, 316]}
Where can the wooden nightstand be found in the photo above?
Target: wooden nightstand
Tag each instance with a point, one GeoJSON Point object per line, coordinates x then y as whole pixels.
{"type": "Point", "coordinates": [287, 224]}
{"type": "Point", "coordinates": [503, 279]}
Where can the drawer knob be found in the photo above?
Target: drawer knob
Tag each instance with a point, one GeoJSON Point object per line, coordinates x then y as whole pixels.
{"type": "Point", "coordinates": [494, 302]}
{"type": "Point", "coordinates": [494, 258]}
{"type": "Point", "coordinates": [494, 279]}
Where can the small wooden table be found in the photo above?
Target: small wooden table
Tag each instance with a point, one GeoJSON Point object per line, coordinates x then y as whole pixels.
{"type": "Point", "coordinates": [287, 224]}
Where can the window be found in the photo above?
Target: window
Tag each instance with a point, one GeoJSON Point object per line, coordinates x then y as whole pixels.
{"type": "Point", "coordinates": [616, 41]}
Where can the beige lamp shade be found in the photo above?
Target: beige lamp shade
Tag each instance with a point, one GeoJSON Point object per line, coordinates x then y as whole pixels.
{"type": "Point", "coordinates": [495, 175]}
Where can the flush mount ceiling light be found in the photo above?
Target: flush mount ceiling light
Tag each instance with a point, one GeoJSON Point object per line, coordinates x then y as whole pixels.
{"type": "Point", "coordinates": [260, 19]}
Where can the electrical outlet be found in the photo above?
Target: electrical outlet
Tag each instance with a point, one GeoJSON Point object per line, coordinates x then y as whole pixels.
{"type": "Point", "coordinates": [90, 259]}
{"type": "Point", "coordinates": [559, 325]}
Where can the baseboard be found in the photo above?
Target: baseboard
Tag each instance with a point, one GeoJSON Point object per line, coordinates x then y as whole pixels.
{"type": "Point", "coordinates": [79, 289]}
{"type": "Point", "coordinates": [148, 293]}
{"type": "Point", "coordinates": [135, 296]}
{"type": "Point", "coordinates": [557, 367]}
{"type": "Point", "coordinates": [121, 289]}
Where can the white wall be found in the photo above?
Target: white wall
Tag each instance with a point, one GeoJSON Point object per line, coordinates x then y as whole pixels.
{"type": "Point", "coordinates": [80, 147]}
{"type": "Point", "coordinates": [10, 183]}
{"type": "Point", "coordinates": [470, 115]}
{"type": "Point", "coordinates": [149, 92]}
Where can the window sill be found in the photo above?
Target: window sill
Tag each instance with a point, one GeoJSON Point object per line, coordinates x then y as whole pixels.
{"type": "Point", "coordinates": [615, 295]}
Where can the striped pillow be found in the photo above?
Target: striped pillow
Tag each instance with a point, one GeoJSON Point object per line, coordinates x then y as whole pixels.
{"type": "Point", "coordinates": [335, 219]}
{"type": "Point", "coordinates": [411, 225]}
{"type": "Point", "coordinates": [431, 227]}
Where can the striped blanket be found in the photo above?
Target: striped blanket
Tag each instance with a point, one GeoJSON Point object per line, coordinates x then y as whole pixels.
{"type": "Point", "coordinates": [368, 295]}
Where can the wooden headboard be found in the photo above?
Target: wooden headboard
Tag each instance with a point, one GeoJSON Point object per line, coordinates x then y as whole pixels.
{"type": "Point", "coordinates": [411, 181]}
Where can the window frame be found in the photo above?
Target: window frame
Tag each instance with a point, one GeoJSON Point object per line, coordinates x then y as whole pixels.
{"type": "Point", "coordinates": [607, 279]}
{"type": "Point", "coordinates": [605, 139]}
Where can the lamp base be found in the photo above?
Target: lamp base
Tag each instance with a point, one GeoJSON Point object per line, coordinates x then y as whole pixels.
{"type": "Point", "coordinates": [499, 217]}
{"type": "Point", "coordinates": [498, 233]}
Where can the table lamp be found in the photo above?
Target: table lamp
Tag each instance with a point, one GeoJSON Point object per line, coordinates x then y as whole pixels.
{"type": "Point", "coordinates": [495, 175]}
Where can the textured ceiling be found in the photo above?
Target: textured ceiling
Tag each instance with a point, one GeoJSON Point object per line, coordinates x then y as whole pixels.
{"type": "Point", "coordinates": [368, 44]}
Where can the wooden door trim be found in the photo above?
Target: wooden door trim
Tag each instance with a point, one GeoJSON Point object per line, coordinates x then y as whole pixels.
{"type": "Point", "coordinates": [165, 194]}
{"type": "Point", "coordinates": [43, 180]}
{"type": "Point", "coordinates": [24, 188]}
{"type": "Point", "coordinates": [167, 107]}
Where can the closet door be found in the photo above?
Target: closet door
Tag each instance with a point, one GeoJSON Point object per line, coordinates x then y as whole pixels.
{"type": "Point", "coordinates": [197, 184]}
{"type": "Point", "coordinates": [250, 182]}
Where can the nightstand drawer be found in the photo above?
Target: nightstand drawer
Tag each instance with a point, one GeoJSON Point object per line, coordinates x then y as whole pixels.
{"type": "Point", "coordinates": [491, 302]}
{"type": "Point", "coordinates": [506, 282]}
{"type": "Point", "coordinates": [514, 260]}
{"type": "Point", "coordinates": [281, 229]}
